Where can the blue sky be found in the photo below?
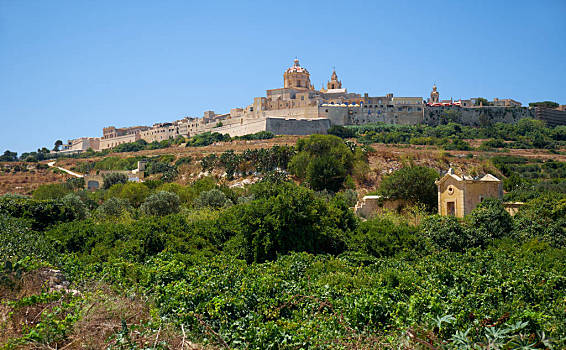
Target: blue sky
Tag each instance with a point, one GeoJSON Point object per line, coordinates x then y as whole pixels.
{"type": "Point", "coordinates": [69, 68]}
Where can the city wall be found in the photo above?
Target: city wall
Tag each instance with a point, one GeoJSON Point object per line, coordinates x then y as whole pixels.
{"type": "Point", "coordinates": [282, 126]}
{"type": "Point", "coordinates": [475, 116]}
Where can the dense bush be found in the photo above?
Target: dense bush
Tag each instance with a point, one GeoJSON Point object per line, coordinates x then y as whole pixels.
{"type": "Point", "coordinates": [52, 191]}
{"type": "Point", "coordinates": [114, 208]}
{"type": "Point", "coordinates": [446, 232]}
{"type": "Point", "coordinates": [112, 179]}
{"type": "Point", "coordinates": [414, 184]}
{"type": "Point", "coordinates": [206, 139]}
{"type": "Point", "coordinates": [40, 213]}
{"type": "Point", "coordinates": [382, 237]}
{"type": "Point", "coordinates": [285, 218]}
{"type": "Point", "coordinates": [489, 221]}
{"type": "Point", "coordinates": [342, 132]}
{"type": "Point", "coordinates": [543, 218]}
{"type": "Point", "coordinates": [323, 161]}
{"type": "Point", "coordinates": [261, 135]}
{"type": "Point", "coordinates": [214, 199]}
{"type": "Point", "coordinates": [161, 203]}
{"type": "Point", "coordinates": [17, 240]}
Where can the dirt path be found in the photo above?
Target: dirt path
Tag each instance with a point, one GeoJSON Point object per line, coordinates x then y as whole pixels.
{"type": "Point", "coordinates": [52, 164]}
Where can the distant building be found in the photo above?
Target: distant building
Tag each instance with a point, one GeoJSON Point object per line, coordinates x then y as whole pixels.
{"type": "Point", "coordinates": [458, 196]}
{"type": "Point", "coordinates": [298, 109]}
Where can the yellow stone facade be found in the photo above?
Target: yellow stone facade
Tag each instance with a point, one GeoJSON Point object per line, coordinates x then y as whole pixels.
{"type": "Point", "coordinates": [458, 196]}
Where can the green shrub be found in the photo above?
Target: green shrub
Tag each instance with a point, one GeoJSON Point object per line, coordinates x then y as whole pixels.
{"type": "Point", "coordinates": [214, 199]}
{"type": "Point", "coordinates": [284, 219]}
{"type": "Point", "coordinates": [381, 237]}
{"type": "Point", "coordinates": [325, 173]}
{"type": "Point", "coordinates": [41, 213]}
{"type": "Point", "coordinates": [161, 203]}
{"type": "Point", "coordinates": [52, 191]}
{"type": "Point", "coordinates": [114, 208]}
{"type": "Point", "coordinates": [18, 240]}
{"type": "Point", "coordinates": [489, 221]}
{"type": "Point", "coordinates": [74, 203]}
{"type": "Point", "coordinates": [342, 132]}
{"type": "Point", "coordinates": [134, 192]}
{"type": "Point", "coordinates": [323, 161]}
{"type": "Point", "coordinates": [112, 179]}
{"type": "Point", "coordinates": [446, 232]}
{"type": "Point", "coordinates": [543, 218]}
{"type": "Point", "coordinates": [414, 184]}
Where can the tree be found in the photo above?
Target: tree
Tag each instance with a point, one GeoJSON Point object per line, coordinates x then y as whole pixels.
{"type": "Point", "coordinates": [325, 173]}
{"type": "Point", "coordinates": [114, 178]}
{"type": "Point", "coordinates": [544, 104]}
{"type": "Point", "coordinates": [9, 156]}
{"type": "Point", "coordinates": [489, 221]}
{"type": "Point", "coordinates": [113, 208]}
{"type": "Point", "coordinates": [134, 192]}
{"type": "Point", "coordinates": [342, 132]}
{"type": "Point", "coordinates": [285, 218]}
{"type": "Point", "coordinates": [483, 102]}
{"type": "Point", "coordinates": [214, 198]}
{"type": "Point", "coordinates": [446, 232]}
{"type": "Point", "coordinates": [160, 204]}
{"type": "Point", "coordinates": [58, 144]}
{"type": "Point", "coordinates": [323, 161]}
{"type": "Point", "coordinates": [413, 184]}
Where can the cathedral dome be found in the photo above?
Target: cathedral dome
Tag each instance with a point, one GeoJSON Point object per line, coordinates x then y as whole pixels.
{"type": "Point", "coordinates": [296, 68]}
{"type": "Point", "coordinates": [297, 77]}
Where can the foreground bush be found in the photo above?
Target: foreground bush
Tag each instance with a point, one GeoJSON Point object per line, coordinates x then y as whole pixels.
{"type": "Point", "coordinates": [306, 301]}
{"type": "Point", "coordinates": [285, 218]}
{"type": "Point", "coordinates": [161, 203]}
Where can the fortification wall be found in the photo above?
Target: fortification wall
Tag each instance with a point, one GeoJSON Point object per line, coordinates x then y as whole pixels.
{"type": "Point", "coordinates": [475, 116]}
{"type": "Point", "coordinates": [307, 112]}
{"type": "Point", "coordinates": [551, 117]}
{"type": "Point", "coordinates": [358, 115]}
{"type": "Point", "coordinates": [242, 127]}
{"type": "Point", "coordinates": [287, 126]}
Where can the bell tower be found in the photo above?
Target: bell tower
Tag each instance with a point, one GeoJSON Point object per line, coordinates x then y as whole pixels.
{"type": "Point", "coordinates": [434, 95]}
{"type": "Point", "coordinates": [334, 83]}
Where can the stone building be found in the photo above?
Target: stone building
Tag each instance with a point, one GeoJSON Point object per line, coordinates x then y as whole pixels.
{"type": "Point", "coordinates": [81, 144]}
{"type": "Point", "coordinates": [458, 196]}
{"type": "Point", "coordinates": [298, 109]}
{"type": "Point", "coordinates": [112, 136]}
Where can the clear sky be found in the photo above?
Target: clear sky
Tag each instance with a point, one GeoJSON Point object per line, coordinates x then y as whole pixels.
{"type": "Point", "coordinates": [69, 68]}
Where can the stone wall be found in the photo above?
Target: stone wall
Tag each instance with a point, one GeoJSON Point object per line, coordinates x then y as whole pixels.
{"type": "Point", "coordinates": [551, 117]}
{"type": "Point", "coordinates": [240, 127]}
{"type": "Point", "coordinates": [284, 126]}
{"type": "Point", "coordinates": [359, 115]}
{"type": "Point", "coordinates": [475, 116]}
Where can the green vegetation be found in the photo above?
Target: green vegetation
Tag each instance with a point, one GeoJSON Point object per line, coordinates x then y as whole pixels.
{"type": "Point", "coordinates": [414, 184]}
{"type": "Point", "coordinates": [283, 265]}
{"type": "Point", "coordinates": [527, 133]}
{"type": "Point", "coordinates": [544, 104]}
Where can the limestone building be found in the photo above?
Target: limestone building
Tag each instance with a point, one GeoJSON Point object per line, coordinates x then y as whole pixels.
{"type": "Point", "coordinates": [298, 108]}
{"type": "Point", "coordinates": [458, 196]}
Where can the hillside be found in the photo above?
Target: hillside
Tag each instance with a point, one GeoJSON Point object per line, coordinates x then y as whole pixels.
{"type": "Point", "coordinates": [254, 244]}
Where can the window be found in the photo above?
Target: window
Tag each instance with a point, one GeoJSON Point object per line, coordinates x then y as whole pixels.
{"type": "Point", "coordinates": [302, 98]}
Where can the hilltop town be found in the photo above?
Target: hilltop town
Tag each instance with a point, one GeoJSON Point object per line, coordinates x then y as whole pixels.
{"type": "Point", "coordinates": [299, 109]}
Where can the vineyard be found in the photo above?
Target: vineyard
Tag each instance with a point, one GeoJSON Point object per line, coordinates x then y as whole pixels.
{"type": "Point", "coordinates": [257, 247]}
